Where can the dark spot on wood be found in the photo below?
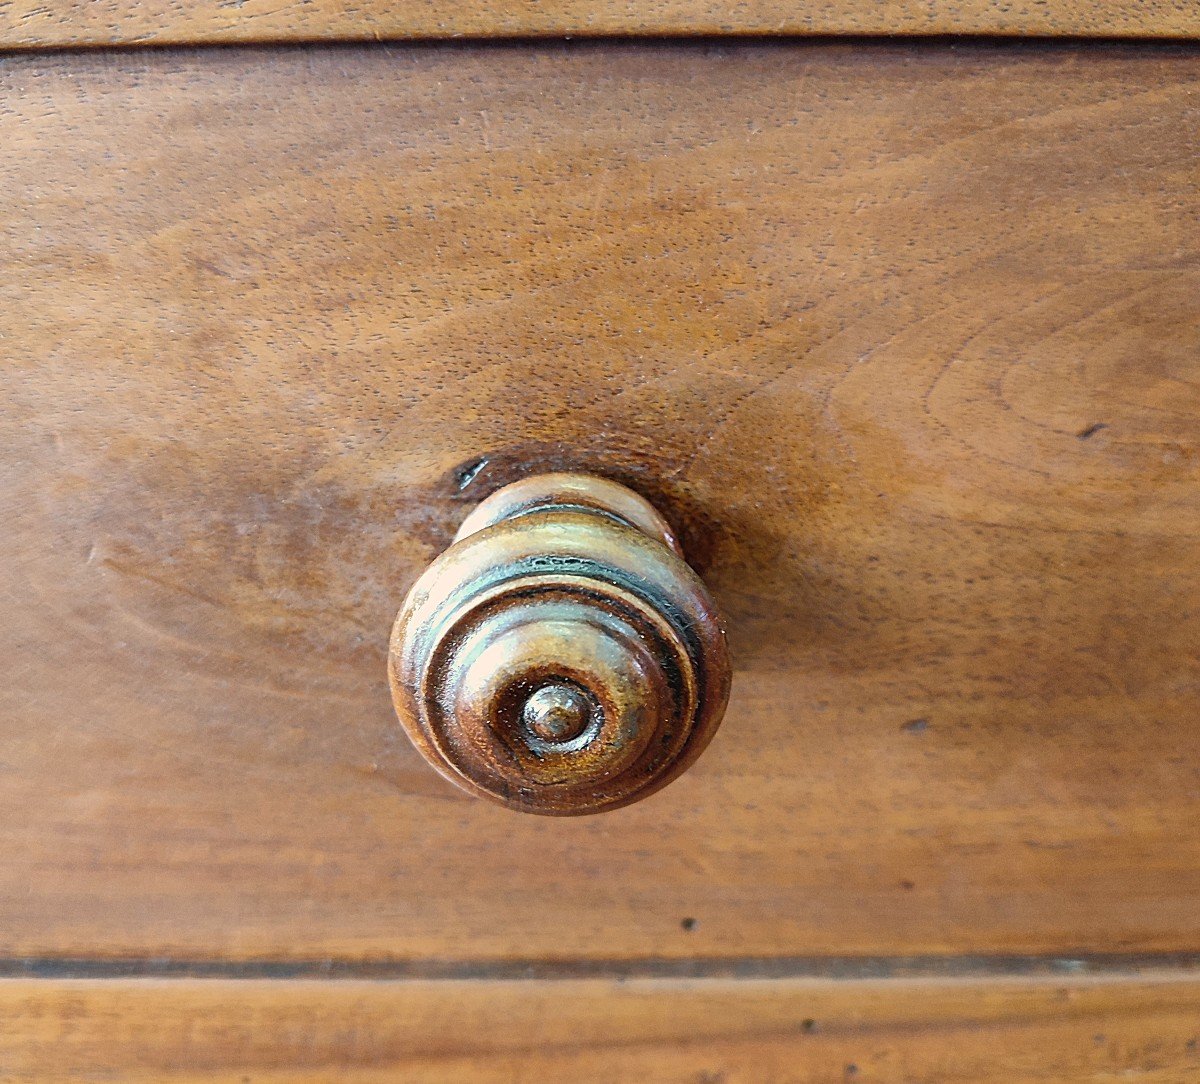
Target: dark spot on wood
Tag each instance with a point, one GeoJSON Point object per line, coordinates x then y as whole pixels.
{"type": "Point", "coordinates": [688, 924]}
{"type": "Point", "coordinates": [808, 1026]}
{"type": "Point", "coordinates": [915, 726]}
{"type": "Point", "coordinates": [1091, 430]}
{"type": "Point", "coordinates": [467, 473]}
{"type": "Point", "coordinates": [908, 886]}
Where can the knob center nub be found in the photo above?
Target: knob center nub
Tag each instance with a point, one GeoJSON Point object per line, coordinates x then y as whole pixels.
{"type": "Point", "coordinates": [557, 712]}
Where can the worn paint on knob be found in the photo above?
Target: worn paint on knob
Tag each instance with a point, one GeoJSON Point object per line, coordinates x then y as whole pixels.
{"type": "Point", "coordinates": [560, 657]}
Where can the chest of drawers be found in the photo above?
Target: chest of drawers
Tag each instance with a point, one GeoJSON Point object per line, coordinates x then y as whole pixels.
{"type": "Point", "coordinates": [900, 336]}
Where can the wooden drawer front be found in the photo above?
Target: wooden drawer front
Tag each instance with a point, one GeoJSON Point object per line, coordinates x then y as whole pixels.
{"type": "Point", "coordinates": [904, 340]}
{"type": "Point", "coordinates": [788, 1031]}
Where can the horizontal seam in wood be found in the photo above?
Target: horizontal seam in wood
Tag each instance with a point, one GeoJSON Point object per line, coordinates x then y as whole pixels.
{"type": "Point", "coordinates": [781, 967]}
{"type": "Point", "coordinates": [1011, 41]}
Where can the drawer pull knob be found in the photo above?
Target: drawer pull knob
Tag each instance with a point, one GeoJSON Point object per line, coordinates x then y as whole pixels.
{"type": "Point", "coordinates": [560, 657]}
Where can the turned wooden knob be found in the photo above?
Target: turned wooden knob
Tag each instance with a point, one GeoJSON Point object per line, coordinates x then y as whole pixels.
{"type": "Point", "coordinates": [560, 657]}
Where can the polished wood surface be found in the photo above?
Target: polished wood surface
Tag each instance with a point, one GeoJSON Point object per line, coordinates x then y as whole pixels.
{"type": "Point", "coordinates": [1145, 1028]}
{"type": "Point", "coordinates": [53, 23]}
{"type": "Point", "coordinates": [560, 658]}
{"type": "Point", "coordinates": [902, 340]}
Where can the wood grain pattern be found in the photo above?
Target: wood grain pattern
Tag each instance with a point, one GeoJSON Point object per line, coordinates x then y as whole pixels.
{"type": "Point", "coordinates": [761, 1032]}
{"type": "Point", "coordinates": [902, 341]}
{"type": "Point", "coordinates": [54, 23]}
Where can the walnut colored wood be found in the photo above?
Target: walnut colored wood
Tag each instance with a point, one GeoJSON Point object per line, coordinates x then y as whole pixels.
{"type": "Point", "coordinates": [560, 657]}
{"type": "Point", "coordinates": [54, 23]}
{"type": "Point", "coordinates": [769, 1032]}
{"type": "Point", "coordinates": [902, 341]}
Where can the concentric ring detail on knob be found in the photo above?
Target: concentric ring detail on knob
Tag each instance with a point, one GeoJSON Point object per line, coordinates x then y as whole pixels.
{"type": "Point", "coordinates": [560, 661]}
